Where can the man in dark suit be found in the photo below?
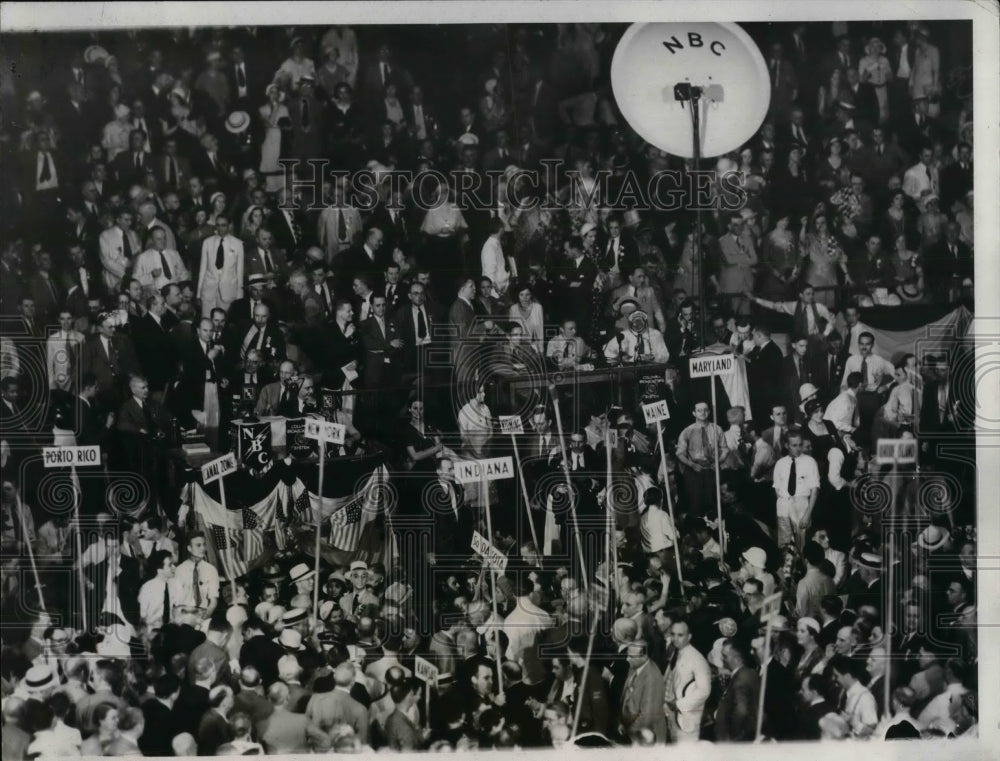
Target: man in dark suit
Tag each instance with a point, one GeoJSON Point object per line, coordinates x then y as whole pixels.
{"type": "Point", "coordinates": [159, 731]}
{"type": "Point", "coordinates": [44, 290]}
{"type": "Point", "coordinates": [129, 167]}
{"type": "Point", "coordinates": [110, 356]}
{"type": "Point", "coordinates": [154, 347]}
{"type": "Point", "coordinates": [203, 362]}
{"type": "Point", "coordinates": [363, 260]}
{"type": "Point", "coordinates": [241, 311]}
{"type": "Point", "coordinates": [813, 708]}
{"type": "Point", "coordinates": [765, 366]}
{"type": "Point", "coordinates": [948, 264]}
{"type": "Point", "coordinates": [736, 715]}
{"type": "Point", "coordinates": [414, 327]}
{"type": "Point", "coordinates": [381, 346]}
{"type": "Point", "coordinates": [956, 178]}
{"type": "Point", "coordinates": [453, 519]}
{"type": "Point", "coordinates": [916, 128]}
{"type": "Point", "coordinates": [796, 369]}
{"type": "Point", "coordinates": [89, 423]}
{"type": "Point", "coordinates": [618, 250]}
{"type": "Point", "coordinates": [828, 367]}
{"type": "Point", "coordinates": [263, 259]}
{"type": "Point", "coordinates": [392, 219]}
{"type": "Point", "coordinates": [862, 94]}
{"type": "Point", "coordinates": [246, 85]}
{"type": "Point", "coordinates": [139, 415]}
{"type": "Point", "coordinates": [43, 176]}
{"type": "Point", "coordinates": [394, 288]}
{"type": "Point", "coordinates": [575, 284]}
{"type": "Point", "coordinates": [288, 225]}
{"type": "Point", "coordinates": [261, 334]}
{"type": "Point", "coordinates": [343, 344]}
{"type": "Point", "coordinates": [544, 114]}
{"type": "Point", "coordinates": [172, 169]}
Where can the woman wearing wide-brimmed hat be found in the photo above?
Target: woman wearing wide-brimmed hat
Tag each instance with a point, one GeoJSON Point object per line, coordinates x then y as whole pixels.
{"type": "Point", "coordinates": [875, 69]}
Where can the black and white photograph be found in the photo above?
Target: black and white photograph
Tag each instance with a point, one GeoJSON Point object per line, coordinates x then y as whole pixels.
{"type": "Point", "coordinates": [461, 377]}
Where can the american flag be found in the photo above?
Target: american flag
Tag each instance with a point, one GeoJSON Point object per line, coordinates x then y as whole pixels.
{"type": "Point", "coordinates": [230, 549]}
{"type": "Point", "coordinates": [253, 533]}
{"type": "Point", "coordinates": [351, 514]}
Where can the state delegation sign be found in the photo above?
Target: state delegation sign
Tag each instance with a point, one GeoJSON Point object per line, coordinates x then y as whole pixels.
{"type": "Point", "coordinates": [493, 469]}
{"type": "Point", "coordinates": [721, 364]}
{"type": "Point", "coordinates": [493, 557]}
{"type": "Point", "coordinates": [71, 457]}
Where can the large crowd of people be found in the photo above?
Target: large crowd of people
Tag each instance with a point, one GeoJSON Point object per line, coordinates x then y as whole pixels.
{"type": "Point", "coordinates": [183, 244]}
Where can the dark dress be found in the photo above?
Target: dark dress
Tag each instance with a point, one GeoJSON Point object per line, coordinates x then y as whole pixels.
{"type": "Point", "coordinates": [822, 443]}
{"type": "Point", "coordinates": [419, 441]}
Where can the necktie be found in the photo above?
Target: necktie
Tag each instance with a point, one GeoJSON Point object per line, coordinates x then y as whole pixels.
{"type": "Point", "coordinates": [52, 289]}
{"type": "Point", "coordinates": [46, 174]}
{"type": "Point", "coordinates": [170, 173]}
{"type": "Point", "coordinates": [541, 445]}
{"type": "Point", "coordinates": [421, 325]}
{"type": "Point", "coordinates": [673, 660]}
{"type": "Point", "coordinates": [864, 372]}
{"type": "Point", "coordinates": [69, 351]}
{"type": "Point", "coordinates": [195, 582]}
{"type": "Point", "coordinates": [241, 79]}
{"type": "Point", "coordinates": [791, 479]}
{"type": "Point", "coordinates": [166, 267]}
{"type": "Point", "coordinates": [390, 292]}
{"type": "Point", "coordinates": [126, 245]}
{"type": "Point", "coordinates": [166, 603]}
{"type": "Point", "coordinates": [305, 114]}
{"type": "Point", "coordinates": [137, 161]}
{"type": "Point", "coordinates": [211, 158]}
{"type": "Point", "coordinates": [341, 227]}
{"type": "Point", "coordinates": [704, 440]}
{"type": "Point", "coordinates": [220, 256]}
{"type": "Point", "coordinates": [880, 150]}
{"type": "Point", "coordinates": [266, 261]}
{"type": "Point", "coordinates": [566, 350]}
{"type": "Point", "coordinates": [640, 347]}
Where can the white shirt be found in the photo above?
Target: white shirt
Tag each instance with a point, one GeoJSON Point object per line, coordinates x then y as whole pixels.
{"type": "Point", "coordinates": [652, 344]}
{"type": "Point", "coordinates": [842, 411]}
{"type": "Point", "coordinates": [150, 261]}
{"type": "Point", "coordinates": [657, 529]}
{"type": "Point", "coordinates": [418, 121]}
{"type": "Point", "coordinates": [789, 307]}
{"type": "Point", "coordinates": [416, 325]}
{"type": "Point", "coordinates": [689, 683]}
{"type": "Point", "coordinates": [901, 404]}
{"type": "Point", "coordinates": [860, 710]}
{"type": "Point", "coordinates": [53, 179]}
{"type": "Point", "coordinates": [880, 371]}
{"type": "Point", "coordinates": [151, 601]}
{"type": "Point", "coordinates": [494, 264]}
{"type": "Point", "coordinates": [182, 583]}
{"type": "Point", "coordinates": [919, 178]}
{"type": "Point", "coordinates": [806, 476]}
{"type": "Point", "coordinates": [522, 624]}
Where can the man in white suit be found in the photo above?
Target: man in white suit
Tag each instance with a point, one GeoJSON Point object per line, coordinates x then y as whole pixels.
{"type": "Point", "coordinates": [159, 265]}
{"type": "Point", "coordinates": [119, 245]}
{"type": "Point", "coordinates": [220, 277]}
{"type": "Point", "coordinates": [62, 350]}
{"type": "Point", "coordinates": [339, 225]}
{"type": "Point", "coordinates": [688, 683]}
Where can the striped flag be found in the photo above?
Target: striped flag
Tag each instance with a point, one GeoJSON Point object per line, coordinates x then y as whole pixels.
{"type": "Point", "coordinates": [229, 549]}
{"type": "Point", "coordinates": [348, 515]}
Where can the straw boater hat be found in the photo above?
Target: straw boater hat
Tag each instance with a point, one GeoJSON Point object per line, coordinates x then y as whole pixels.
{"type": "Point", "coordinates": [294, 616]}
{"type": "Point", "coordinates": [39, 679]}
{"type": "Point", "coordinates": [933, 538]}
{"type": "Point", "coordinates": [95, 54]}
{"type": "Point", "coordinates": [301, 572]}
{"type": "Point", "coordinates": [756, 557]}
{"type": "Point", "coordinates": [290, 640]}
{"type": "Point", "coordinates": [237, 122]}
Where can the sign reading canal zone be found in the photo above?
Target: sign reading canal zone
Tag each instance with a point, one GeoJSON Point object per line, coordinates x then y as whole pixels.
{"type": "Point", "coordinates": [219, 468]}
{"type": "Point", "coordinates": [493, 469]}
{"type": "Point", "coordinates": [721, 364]}
{"type": "Point", "coordinates": [493, 557]}
{"type": "Point", "coordinates": [66, 457]}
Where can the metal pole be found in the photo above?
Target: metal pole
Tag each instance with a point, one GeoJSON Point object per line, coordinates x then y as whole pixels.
{"type": "Point", "coordinates": [763, 678]}
{"type": "Point", "coordinates": [493, 584]}
{"type": "Point", "coordinates": [31, 552]}
{"type": "Point", "coordinates": [524, 493]}
{"type": "Point", "coordinates": [77, 496]}
{"type": "Point", "coordinates": [718, 484]}
{"type": "Point", "coordinates": [670, 506]}
{"type": "Point", "coordinates": [319, 512]}
{"type": "Point", "coordinates": [699, 257]}
{"type": "Point", "coordinates": [569, 487]}
{"type": "Point", "coordinates": [583, 674]}
{"type": "Point", "coordinates": [222, 496]}
{"type": "Point", "coordinates": [612, 550]}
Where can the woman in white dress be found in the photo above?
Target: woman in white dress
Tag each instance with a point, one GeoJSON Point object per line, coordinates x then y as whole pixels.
{"type": "Point", "coordinates": [272, 112]}
{"type": "Point", "coordinates": [874, 68]}
{"type": "Point", "coordinates": [346, 42]}
{"type": "Point", "coordinates": [528, 313]}
{"type": "Point", "coordinates": [475, 421]}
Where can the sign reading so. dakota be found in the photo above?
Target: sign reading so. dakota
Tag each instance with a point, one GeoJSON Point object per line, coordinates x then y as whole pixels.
{"type": "Point", "coordinates": [716, 364]}
{"type": "Point", "coordinates": [493, 469]}
{"type": "Point", "coordinates": [493, 557]}
{"type": "Point", "coordinates": [77, 457]}
{"type": "Point", "coordinates": [511, 424]}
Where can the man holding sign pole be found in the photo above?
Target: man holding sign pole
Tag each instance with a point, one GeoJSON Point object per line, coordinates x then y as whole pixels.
{"type": "Point", "coordinates": [699, 446]}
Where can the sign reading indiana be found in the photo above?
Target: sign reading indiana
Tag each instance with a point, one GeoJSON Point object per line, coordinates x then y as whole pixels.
{"type": "Point", "coordinates": [470, 471]}
{"type": "Point", "coordinates": [255, 448]}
